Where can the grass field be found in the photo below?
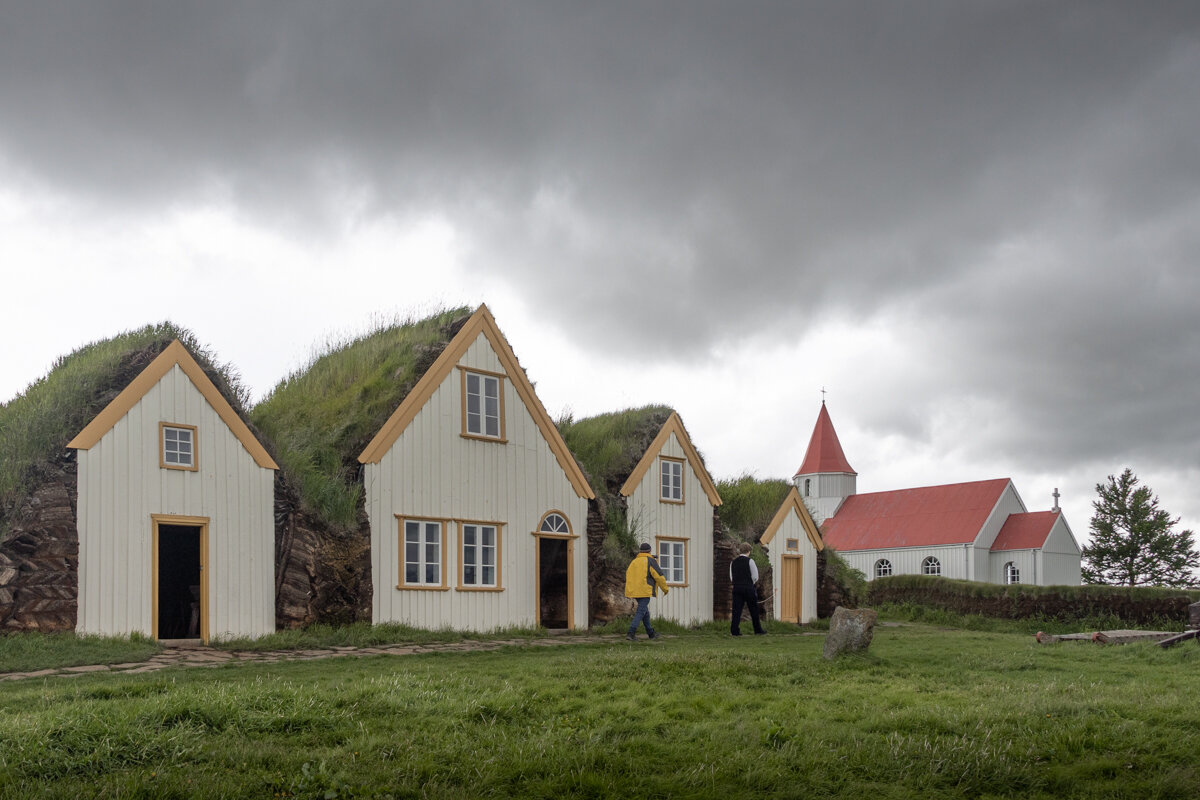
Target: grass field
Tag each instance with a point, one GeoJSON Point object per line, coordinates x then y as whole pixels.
{"type": "Point", "coordinates": [928, 713]}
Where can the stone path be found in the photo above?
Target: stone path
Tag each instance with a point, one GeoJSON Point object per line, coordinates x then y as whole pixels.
{"type": "Point", "coordinates": [196, 655]}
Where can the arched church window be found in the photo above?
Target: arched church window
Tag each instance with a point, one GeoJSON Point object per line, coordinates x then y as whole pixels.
{"type": "Point", "coordinates": [931, 566]}
{"type": "Point", "coordinates": [1011, 573]}
{"type": "Point", "coordinates": [883, 568]}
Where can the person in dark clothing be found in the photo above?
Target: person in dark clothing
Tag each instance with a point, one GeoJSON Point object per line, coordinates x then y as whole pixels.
{"type": "Point", "coordinates": [743, 572]}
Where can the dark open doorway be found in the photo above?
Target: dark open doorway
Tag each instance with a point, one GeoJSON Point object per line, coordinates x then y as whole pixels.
{"type": "Point", "coordinates": [553, 583]}
{"type": "Point", "coordinates": [179, 597]}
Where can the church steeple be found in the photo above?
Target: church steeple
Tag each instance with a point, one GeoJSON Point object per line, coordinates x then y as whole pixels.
{"type": "Point", "coordinates": [825, 477]}
{"type": "Point", "coordinates": [824, 453]}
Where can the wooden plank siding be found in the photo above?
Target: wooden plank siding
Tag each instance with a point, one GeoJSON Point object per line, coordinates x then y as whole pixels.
{"type": "Point", "coordinates": [692, 521]}
{"type": "Point", "coordinates": [787, 528]}
{"type": "Point", "coordinates": [121, 485]}
{"type": "Point", "coordinates": [433, 471]}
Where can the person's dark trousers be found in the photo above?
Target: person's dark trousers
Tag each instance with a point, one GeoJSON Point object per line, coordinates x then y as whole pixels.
{"type": "Point", "coordinates": [642, 615]}
{"type": "Point", "coordinates": [743, 596]}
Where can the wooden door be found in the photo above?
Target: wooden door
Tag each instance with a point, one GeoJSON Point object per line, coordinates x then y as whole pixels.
{"type": "Point", "coordinates": [791, 589]}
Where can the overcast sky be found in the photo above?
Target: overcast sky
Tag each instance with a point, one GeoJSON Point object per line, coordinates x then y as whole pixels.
{"type": "Point", "coordinates": [976, 224]}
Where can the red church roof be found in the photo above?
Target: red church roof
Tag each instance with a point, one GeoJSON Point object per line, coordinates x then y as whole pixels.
{"type": "Point", "coordinates": [1025, 531]}
{"type": "Point", "coordinates": [824, 453]}
{"type": "Point", "coordinates": [929, 515]}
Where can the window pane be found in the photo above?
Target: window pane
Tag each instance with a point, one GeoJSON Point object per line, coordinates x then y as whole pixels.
{"type": "Point", "coordinates": [473, 384]}
{"type": "Point", "coordinates": [469, 575]}
{"type": "Point", "coordinates": [433, 532]}
{"type": "Point", "coordinates": [412, 531]}
{"type": "Point", "coordinates": [431, 573]}
{"type": "Point", "coordinates": [489, 576]}
{"type": "Point", "coordinates": [412, 573]}
{"type": "Point", "coordinates": [489, 536]}
{"type": "Point", "coordinates": [493, 427]}
{"type": "Point", "coordinates": [469, 535]}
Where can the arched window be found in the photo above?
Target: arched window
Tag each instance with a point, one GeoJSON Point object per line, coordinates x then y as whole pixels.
{"type": "Point", "coordinates": [1011, 573]}
{"type": "Point", "coordinates": [931, 566]}
{"type": "Point", "coordinates": [808, 487]}
{"type": "Point", "coordinates": [883, 568]}
{"type": "Point", "coordinates": [554, 522]}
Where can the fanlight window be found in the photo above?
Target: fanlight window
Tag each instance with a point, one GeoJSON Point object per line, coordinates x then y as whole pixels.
{"type": "Point", "coordinates": [1011, 573]}
{"type": "Point", "coordinates": [883, 568]}
{"type": "Point", "coordinates": [554, 523]}
{"type": "Point", "coordinates": [931, 566]}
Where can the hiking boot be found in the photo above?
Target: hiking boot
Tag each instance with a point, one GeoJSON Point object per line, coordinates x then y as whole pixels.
{"type": "Point", "coordinates": [632, 637]}
{"type": "Point", "coordinates": [656, 635]}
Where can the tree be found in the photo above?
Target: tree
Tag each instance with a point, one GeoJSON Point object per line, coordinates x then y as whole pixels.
{"type": "Point", "coordinates": [1134, 542]}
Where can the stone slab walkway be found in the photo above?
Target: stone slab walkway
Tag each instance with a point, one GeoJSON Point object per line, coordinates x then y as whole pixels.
{"type": "Point", "coordinates": [193, 655]}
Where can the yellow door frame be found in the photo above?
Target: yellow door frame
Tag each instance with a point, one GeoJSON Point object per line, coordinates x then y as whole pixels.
{"type": "Point", "coordinates": [195, 522]}
{"type": "Point", "coordinates": [569, 538]}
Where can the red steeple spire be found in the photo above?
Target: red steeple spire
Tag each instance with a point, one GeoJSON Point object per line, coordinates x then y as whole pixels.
{"type": "Point", "coordinates": [824, 453]}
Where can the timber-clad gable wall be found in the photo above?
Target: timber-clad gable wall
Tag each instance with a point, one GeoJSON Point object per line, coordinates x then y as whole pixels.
{"type": "Point", "coordinates": [433, 471]}
{"type": "Point", "coordinates": [121, 485]}
{"type": "Point", "coordinates": [691, 520]}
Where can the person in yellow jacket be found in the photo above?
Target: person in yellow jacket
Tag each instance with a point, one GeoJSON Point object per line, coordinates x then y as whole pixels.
{"type": "Point", "coordinates": [643, 578]}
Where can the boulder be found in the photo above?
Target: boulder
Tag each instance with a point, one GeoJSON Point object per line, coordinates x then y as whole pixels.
{"type": "Point", "coordinates": [850, 630]}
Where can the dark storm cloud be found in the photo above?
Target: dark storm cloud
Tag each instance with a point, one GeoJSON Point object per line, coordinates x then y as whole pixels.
{"type": "Point", "coordinates": [761, 165]}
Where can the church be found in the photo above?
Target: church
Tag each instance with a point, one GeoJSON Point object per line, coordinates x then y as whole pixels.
{"type": "Point", "coordinates": [977, 531]}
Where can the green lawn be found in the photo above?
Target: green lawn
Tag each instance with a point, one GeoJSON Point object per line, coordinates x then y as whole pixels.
{"type": "Point", "coordinates": [928, 713]}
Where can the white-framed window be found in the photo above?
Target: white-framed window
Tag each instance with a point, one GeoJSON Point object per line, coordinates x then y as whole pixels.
{"type": "Point", "coordinates": [555, 522]}
{"type": "Point", "coordinates": [483, 410]}
{"type": "Point", "coordinates": [178, 446]}
{"type": "Point", "coordinates": [1011, 573]}
{"type": "Point", "coordinates": [422, 547]}
{"type": "Point", "coordinates": [883, 568]}
{"type": "Point", "coordinates": [480, 555]}
{"type": "Point", "coordinates": [931, 566]}
{"type": "Point", "coordinates": [672, 560]}
{"type": "Point", "coordinates": [808, 487]}
{"type": "Point", "coordinates": [672, 480]}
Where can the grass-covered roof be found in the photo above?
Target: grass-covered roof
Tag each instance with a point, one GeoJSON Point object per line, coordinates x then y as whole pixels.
{"type": "Point", "coordinates": [322, 415]}
{"type": "Point", "coordinates": [37, 424]}
{"type": "Point", "coordinates": [609, 446]}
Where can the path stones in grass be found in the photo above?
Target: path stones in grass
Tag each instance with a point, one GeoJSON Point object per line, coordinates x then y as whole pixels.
{"type": "Point", "coordinates": [850, 630]}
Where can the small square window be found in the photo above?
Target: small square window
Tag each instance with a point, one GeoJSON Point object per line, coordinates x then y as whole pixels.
{"type": "Point", "coordinates": [672, 481]}
{"type": "Point", "coordinates": [177, 446]}
{"type": "Point", "coordinates": [793, 545]}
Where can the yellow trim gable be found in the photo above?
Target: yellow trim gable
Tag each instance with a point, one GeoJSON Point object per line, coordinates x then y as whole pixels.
{"type": "Point", "coordinates": [481, 322]}
{"type": "Point", "coordinates": [790, 503]}
{"type": "Point", "coordinates": [673, 425]}
{"type": "Point", "coordinates": [174, 355]}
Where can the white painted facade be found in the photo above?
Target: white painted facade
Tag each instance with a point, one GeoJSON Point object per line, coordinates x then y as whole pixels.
{"type": "Point", "coordinates": [432, 472]}
{"type": "Point", "coordinates": [790, 540]}
{"type": "Point", "coordinates": [1055, 563]}
{"type": "Point", "coordinates": [691, 521]}
{"type": "Point", "coordinates": [824, 492]}
{"type": "Point", "coordinates": [122, 486]}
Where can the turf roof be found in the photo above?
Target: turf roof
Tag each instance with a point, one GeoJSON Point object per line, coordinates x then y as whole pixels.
{"type": "Point", "coordinates": [36, 425]}
{"type": "Point", "coordinates": [609, 446]}
{"type": "Point", "coordinates": [323, 415]}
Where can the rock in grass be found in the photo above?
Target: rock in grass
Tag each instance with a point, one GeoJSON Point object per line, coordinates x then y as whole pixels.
{"type": "Point", "coordinates": [850, 630]}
